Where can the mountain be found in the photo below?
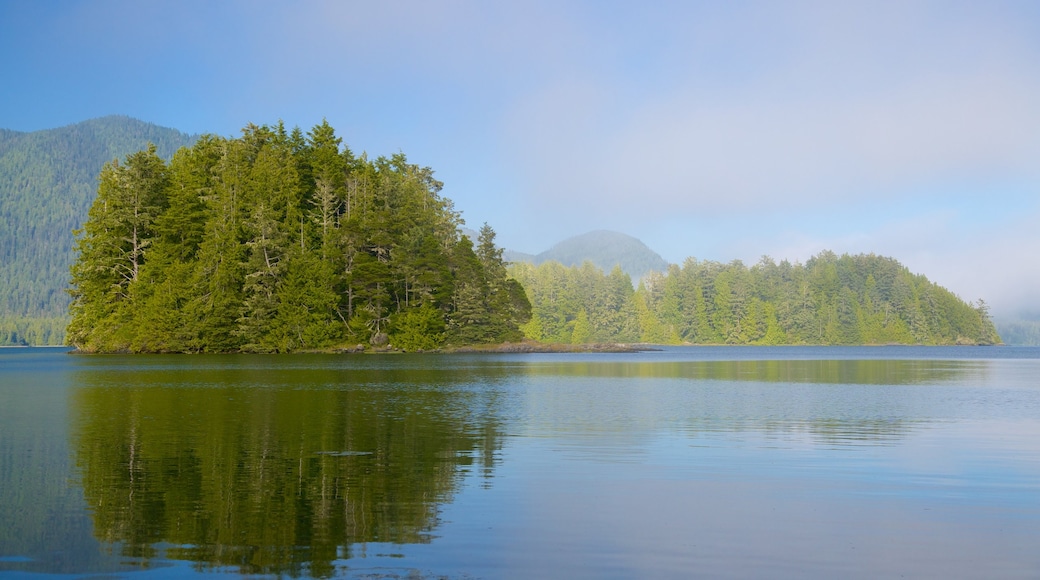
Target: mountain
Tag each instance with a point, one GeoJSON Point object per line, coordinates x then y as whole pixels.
{"type": "Point", "coordinates": [603, 248]}
{"type": "Point", "coordinates": [48, 179]}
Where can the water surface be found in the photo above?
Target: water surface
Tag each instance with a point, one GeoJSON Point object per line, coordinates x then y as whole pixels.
{"type": "Point", "coordinates": [685, 462]}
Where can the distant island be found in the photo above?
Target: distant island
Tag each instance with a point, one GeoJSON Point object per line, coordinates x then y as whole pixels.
{"type": "Point", "coordinates": [846, 300]}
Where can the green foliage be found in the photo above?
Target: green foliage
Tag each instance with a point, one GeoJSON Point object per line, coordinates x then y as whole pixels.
{"type": "Point", "coordinates": [112, 245]}
{"type": "Point", "coordinates": [48, 180]}
{"type": "Point", "coordinates": [280, 241]}
{"type": "Point", "coordinates": [276, 242]}
{"type": "Point", "coordinates": [864, 299]}
{"type": "Point", "coordinates": [418, 329]}
{"type": "Point", "coordinates": [578, 305]}
{"type": "Point", "coordinates": [581, 329]}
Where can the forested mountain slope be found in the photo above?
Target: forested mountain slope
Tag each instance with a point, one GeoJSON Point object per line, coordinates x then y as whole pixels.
{"type": "Point", "coordinates": [48, 180]}
{"type": "Point", "coordinates": [863, 299]}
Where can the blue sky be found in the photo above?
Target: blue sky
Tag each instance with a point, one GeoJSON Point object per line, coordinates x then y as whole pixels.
{"type": "Point", "coordinates": [719, 130]}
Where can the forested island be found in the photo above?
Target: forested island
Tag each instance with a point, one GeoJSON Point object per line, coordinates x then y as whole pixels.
{"type": "Point", "coordinates": [280, 241]}
{"type": "Point", "coordinates": [277, 241]}
{"type": "Point", "coordinates": [847, 300]}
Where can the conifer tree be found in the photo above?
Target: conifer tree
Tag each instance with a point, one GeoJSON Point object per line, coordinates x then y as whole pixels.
{"type": "Point", "coordinates": [112, 246]}
{"type": "Point", "coordinates": [275, 242]}
{"type": "Point", "coordinates": [829, 300]}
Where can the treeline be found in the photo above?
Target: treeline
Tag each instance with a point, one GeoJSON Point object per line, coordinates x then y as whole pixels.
{"type": "Point", "coordinates": [47, 181]}
{"type": "Point", "coordinates": [278, 241]}
{"type": "Point", "coordinates": [25, 331]}
{"type": "Point", "coordinates": [863, 299]}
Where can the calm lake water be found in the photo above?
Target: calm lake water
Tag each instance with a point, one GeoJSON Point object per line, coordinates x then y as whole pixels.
{"type": "Point", "coordinates": [688, 462]}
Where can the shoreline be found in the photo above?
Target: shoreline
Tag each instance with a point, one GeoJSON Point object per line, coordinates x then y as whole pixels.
{"type": "Point", "coordinates": [524, 347]}
{"type": "Point", "coordinates": [542, 348]}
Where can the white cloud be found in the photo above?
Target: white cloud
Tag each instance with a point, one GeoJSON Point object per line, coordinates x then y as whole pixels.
{"type": "Point", "coordinates": [790, 136]}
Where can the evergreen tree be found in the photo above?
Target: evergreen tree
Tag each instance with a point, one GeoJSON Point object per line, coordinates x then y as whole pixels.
{"type": "Point", "coordinates": [278, 242]}
{"type": "Point", "coordinates": [829, 300]}
{"type": "Point", "coordinates": [112, 246]}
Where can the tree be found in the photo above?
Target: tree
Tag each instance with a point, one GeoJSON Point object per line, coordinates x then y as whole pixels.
{"type": "Point", "coordinates": [829, 300]}
{"type": "Point", "coordinates": [418, 329]}
{"type": "Point", "coordinates": [112, 247]}
{"type": "Point", "coordinates": [277, 242]}
{"type": "Point", "coordinates": [582, 329]}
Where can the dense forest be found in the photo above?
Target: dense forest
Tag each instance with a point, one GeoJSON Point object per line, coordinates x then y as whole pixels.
{"type": "Point", "coordinates": [357, 251]}
{"type": "Point", "coordinates": [48, 180]}
{"type": "Point", "coordinates": [864, 299]}
{"type": "Point", "coordinates": [278, 241]}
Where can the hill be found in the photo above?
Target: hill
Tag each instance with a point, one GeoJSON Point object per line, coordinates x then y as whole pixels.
{"type": "Point", "coordinates": [848, 300]}
{"type": "Point", "coordinates": [605, 249]}
{"type": "Point", "coordinates": [48, 179]}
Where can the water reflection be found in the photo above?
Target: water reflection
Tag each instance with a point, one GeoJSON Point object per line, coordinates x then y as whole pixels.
{"type": "Point", "coordinates": [283, 479]}
{"type": "Point", "coordinates": [647, 465]}
{"type": "Point", "coordinates": [42, 527]}
{"type": "Point", "coordinates": [842, 372]}
{"type": "Point", "coordinates": [787, 402]}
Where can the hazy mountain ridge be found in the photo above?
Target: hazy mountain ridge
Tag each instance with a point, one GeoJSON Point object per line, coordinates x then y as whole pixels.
{"type": "Point", "coordinates": [1021, 331]}
{"type": "Point", "coordinates": [603, 248]}
{"type": "Point", "coordinates": [48, 180]}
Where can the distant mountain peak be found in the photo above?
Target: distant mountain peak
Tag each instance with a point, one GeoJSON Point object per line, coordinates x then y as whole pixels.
{"type": "Point", "coordinates": [605, 249]}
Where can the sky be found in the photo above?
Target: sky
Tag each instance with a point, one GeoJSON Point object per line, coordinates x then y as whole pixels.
{"type": "Point", "coordinates": [715, 130]}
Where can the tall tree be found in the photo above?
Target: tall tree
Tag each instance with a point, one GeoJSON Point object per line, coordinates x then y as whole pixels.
{"type": "Point", "coordinates": [276, 241]}
{"type": "Point", "coordinates": [829, 300]}
{"type": "Point", "coordinates": [112, 246]}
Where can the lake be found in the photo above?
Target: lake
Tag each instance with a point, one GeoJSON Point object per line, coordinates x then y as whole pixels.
{"type": "Point", "coordinates": [717, 462]}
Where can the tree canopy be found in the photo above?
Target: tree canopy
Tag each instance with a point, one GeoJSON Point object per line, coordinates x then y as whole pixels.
{"type": "Point", "coordinates": [281, 241]}
{"type": "Point", "coordinates": [278, 241]}
{"type": "Point", "coordinates": [862, 299]}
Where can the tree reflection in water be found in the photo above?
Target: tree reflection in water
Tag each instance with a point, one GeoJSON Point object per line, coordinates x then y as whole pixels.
{"type": "Point", "coordinates": [281, 480]}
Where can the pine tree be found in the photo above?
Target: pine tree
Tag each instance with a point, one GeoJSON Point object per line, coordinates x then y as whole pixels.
{"type": "Point", "coordinates": [112, 247]}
